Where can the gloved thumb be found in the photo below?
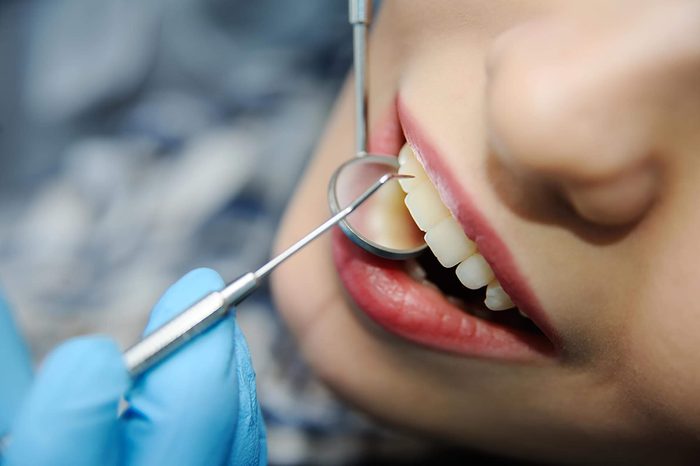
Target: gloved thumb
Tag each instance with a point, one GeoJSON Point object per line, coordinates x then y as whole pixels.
{"type": "Point", "coordinates": [16, 368]}
{"type": "Point", "coordinates": [70, 414]}
{"type": "Point", "coordinates": [184, 411]}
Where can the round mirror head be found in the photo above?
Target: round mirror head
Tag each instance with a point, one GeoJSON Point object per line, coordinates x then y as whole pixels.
{"type": "Point", "coordinates": [382, 225]}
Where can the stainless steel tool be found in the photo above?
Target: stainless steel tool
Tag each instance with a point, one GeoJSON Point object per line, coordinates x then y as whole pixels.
{"type": "Point", "coordinates": [215, 306]}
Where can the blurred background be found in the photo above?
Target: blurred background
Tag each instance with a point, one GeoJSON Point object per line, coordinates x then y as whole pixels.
{"type": "Point", "coordinates": [139, 140]}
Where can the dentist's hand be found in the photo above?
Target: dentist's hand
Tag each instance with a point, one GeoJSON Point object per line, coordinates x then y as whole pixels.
{"type": "Point", "coordinates": [197, 407]}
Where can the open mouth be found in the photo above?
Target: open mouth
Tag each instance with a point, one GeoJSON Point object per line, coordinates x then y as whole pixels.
{"type": "Point", "coordinates": [465, 294]}
{"type": "Point", "coordinates": [427, 270]}
{"type": "Point", "coordinates": [454, 265]}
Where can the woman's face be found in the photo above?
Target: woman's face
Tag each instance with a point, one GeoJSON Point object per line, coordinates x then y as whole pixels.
{"type": "Point", "coordinates": [564, 138]}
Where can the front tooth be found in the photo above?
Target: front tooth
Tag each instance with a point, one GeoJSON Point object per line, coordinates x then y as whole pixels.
{"type": "Point", "coordinates": [425, 206]}
{"type": "Point", "coordinates": [448, 242]}
{"type": "Point", "coordinates": [474, 272]}
{"type": "Point", "coordinates": [409, 165]}
{"type": "Point", "coordinates": [496, 298]}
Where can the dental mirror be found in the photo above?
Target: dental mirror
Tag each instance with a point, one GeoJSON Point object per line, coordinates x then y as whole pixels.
{"type": "Point", "coordinates": [382, 226]}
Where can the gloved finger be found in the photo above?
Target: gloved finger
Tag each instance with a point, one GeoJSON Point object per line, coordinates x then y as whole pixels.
{"type": "Point", "coordinates": [70, 414]}
{"type": "Point", "coordinates": [250, 445]}
{"type": "Point", "coordinates": [183, 411]}
{"type": "Point", "coordinates": [16, 368]}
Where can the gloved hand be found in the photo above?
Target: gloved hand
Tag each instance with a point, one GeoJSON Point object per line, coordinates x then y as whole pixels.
{"type": "Point", "coordinates": [197, 407]}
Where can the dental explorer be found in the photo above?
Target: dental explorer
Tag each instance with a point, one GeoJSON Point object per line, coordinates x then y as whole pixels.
{"type": "Point", "coordinates": [216, 305]}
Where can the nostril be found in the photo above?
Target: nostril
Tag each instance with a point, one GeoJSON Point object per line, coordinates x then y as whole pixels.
{"type": "Point", "coordinates": [559, 114]}
{"type": "Point", "coordinates": [617, 201]}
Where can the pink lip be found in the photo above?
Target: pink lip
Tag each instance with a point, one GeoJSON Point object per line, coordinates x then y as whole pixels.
{"type": "Point", "coordinates": [388, 295]}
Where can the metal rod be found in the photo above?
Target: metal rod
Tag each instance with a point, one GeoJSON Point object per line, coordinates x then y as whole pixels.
{"type": "Point", "coordinates": [359, 15]}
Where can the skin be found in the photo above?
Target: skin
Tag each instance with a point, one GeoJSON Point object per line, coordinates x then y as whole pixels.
{"type": "Point", "coordinates": [576, 129]}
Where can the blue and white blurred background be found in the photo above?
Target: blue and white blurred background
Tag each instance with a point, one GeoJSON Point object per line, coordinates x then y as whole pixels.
{"type": "Point", "coordinates": [141, 139]}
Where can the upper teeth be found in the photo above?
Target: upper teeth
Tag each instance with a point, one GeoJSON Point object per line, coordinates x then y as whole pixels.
{"type": "Point", "coordinates": [444, 235]}
{"type": "Point", "coordinates": [449, 244]}
{"type": "Point", "coordinates": [474, 272]}
{"type": "Point", "coordinates": [496, 298]}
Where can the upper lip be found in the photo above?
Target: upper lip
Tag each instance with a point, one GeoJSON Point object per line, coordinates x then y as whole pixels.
{"type": "Point", "coordinates": [474, 223]}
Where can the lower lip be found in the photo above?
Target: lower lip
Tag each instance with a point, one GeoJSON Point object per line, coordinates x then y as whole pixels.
{"type": "Point", "coordinates": [384, 291]}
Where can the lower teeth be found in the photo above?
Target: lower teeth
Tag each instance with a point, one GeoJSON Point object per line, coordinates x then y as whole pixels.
{"type": "Point", "coordinates": [415, 271]}
{"type": "Point", "coordinates": [457, 302]}
{"type": "Point", "coordinates": [427, 271]}
{"type": "Point", "coordinates": [430, 284]}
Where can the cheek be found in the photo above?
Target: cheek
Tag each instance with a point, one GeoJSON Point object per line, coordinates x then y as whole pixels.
{"type": "Point", "coordinates": [664, 390]}
{"type": "Point", "coordinates": [662, 354]}
{"type": "Point", "coordinates": [661, 345]}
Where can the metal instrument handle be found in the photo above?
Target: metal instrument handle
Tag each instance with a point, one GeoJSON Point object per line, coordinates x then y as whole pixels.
{"type": "Point", "coordinates": [194, 320]}
{"type": "Point", "coordinates": [359, 16]}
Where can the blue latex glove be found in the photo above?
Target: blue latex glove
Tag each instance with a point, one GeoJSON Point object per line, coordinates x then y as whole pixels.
{"type": "Point", "coordinates": [16, 369]}
{"type": "Point", "coordinates": [197, 407]}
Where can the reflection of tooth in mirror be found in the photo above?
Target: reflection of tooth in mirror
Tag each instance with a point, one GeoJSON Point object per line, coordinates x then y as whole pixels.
{"type": "Point", "coordinates": [383, 219]}
{"type": "Point", "coordinates": [388, 222]}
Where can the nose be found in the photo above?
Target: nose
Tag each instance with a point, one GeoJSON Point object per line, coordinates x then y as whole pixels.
{"type": "Point", "coordinates": [584, 103]}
